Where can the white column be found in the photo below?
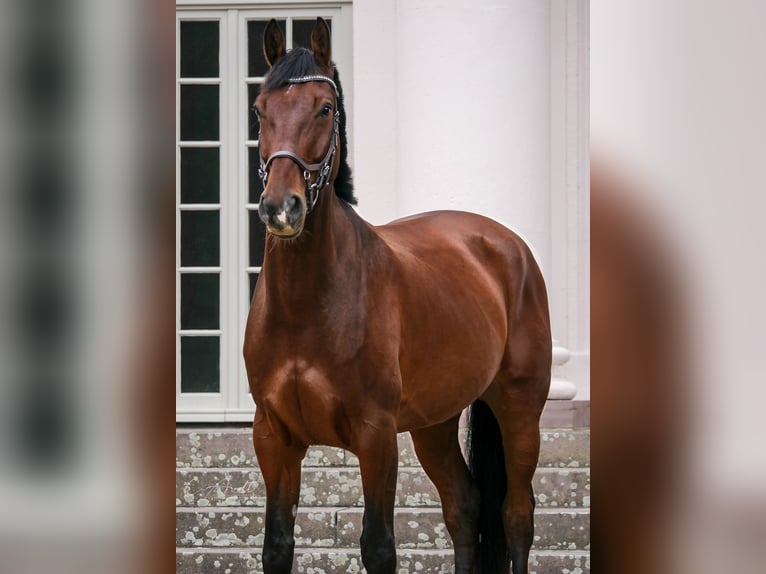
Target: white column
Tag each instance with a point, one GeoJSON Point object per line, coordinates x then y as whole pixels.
{"type": "Point", "coordinates": [474, 111]}
{"type": "Point", "coordinates": [561, 387]}
{"type": "Point", "coordinates": [473, 91]}
{"type": "Point", "coordinates": [569, 288]}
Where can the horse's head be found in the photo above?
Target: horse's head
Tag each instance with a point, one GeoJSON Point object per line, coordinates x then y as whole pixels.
{"type": "Point", "coordinates": [299, 114]}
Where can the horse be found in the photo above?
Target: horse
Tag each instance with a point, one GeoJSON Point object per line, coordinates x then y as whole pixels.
{"type": "Point", "coordinates": [358, 332]}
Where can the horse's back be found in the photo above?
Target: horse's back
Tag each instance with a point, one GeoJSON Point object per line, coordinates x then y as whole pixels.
{"type": "Point", "coordinates": [452, 228]}
{"type": "Point", "coordinates": [461, 243]}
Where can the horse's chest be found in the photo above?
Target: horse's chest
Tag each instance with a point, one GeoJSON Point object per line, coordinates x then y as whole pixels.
{"type": "Point", "coordinates": [302, 405]}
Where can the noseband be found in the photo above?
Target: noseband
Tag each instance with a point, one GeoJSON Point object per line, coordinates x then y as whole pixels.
{"type": "Point", "coordinates": [323, 168]}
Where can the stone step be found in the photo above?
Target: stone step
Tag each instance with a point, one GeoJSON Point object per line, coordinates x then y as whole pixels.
{"type": "Point", "coordinates": [414, 528]}
{"type": "Point", "coordinates": [331, 561]}
{"type": "Point", "coordinates": [342, 487]}
{"type": "Point", "coordinates": [233, 448]}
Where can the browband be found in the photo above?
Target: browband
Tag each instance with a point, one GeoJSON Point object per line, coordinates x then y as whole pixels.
{"type": "Point", "coordinates": [314, 78]}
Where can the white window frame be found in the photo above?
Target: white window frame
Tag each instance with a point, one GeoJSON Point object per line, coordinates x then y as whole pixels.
{"type": "Point", "coordinates": [233, 402]}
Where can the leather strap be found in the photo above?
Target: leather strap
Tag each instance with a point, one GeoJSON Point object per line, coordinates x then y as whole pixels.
{"type": "Point", "coordinates": [322, 168]}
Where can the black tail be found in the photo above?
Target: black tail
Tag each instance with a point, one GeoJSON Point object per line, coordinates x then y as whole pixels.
{"type": "Point", "coordinates": [487, 463]}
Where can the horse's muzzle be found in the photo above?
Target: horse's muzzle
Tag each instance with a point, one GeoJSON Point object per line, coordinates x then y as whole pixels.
{"type": "Point", "coordinates": [283, 219]}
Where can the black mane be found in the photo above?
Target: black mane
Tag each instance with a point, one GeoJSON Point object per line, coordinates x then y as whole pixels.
{"type": "Point", "coordinates": [301, 62]}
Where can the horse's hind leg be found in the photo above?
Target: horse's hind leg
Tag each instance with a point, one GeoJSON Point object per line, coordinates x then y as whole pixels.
{"type": "Point", "coordinates": [517, 406]}
{"type": "Point", "coordinates": [438, 449]}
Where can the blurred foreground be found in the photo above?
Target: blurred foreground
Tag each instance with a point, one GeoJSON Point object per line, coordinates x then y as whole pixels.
{"type": "Point", "coordinates": [678, 276]}
{"type": "Point", "coordinates": [87, 296]}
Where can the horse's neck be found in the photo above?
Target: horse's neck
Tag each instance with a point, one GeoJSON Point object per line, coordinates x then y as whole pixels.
{"type": "Point", "coordinates": [326, 257]}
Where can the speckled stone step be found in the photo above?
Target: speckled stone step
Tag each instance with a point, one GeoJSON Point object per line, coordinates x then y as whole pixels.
{"type": "Point", "coordinates": [342, 486]}
{"type": "Point", "coordinates": [233, 448]}
{"type": "Point", "coordinates": [424, 529]}
{"type": "Point", "coordinates": [414, 528]}
{"type": "Point", "coordinates": [336, 561]}
{"type": "Point", "coordinates": [220, 498]}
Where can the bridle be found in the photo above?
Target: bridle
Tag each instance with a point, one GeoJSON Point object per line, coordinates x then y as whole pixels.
{"type": "Point", "coordinates": [323, 168]}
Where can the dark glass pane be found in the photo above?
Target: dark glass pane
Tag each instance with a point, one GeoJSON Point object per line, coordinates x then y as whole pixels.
{"type": "Point", "coordinates": [200, 296]}
{"type": "Point", "coordinates": [256, 61]}
{"type": "Point", "coordinates": [254, 186]}
{"type": "Point", "coordinates": [253, 278]}
{"type": "Point", "coordinates": [253, 126]}
{"type": "Point", "coordinates": [199, 49]}
{"type": "Point", "coordinates": [200, 238]}
{"type": "Point", "coordinates": [302, 31]}
{"type": "Point", "coordinates": [257, 239]}
{"type": "Point", "coordinates": [199, 113]}
{"type": "Point", "coordinates": [200, 371]}
{"type": "Point", "coordinates": [200, 175]}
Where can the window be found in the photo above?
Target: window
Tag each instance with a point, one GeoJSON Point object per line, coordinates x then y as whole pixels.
{"type": "Point", "coordinates": [220, 239]}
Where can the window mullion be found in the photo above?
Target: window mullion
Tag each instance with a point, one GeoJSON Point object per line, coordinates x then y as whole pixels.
{"type": "Point", "coordinates": [230, 354]}
{"type": "Point", "coordinates": [242, 192]}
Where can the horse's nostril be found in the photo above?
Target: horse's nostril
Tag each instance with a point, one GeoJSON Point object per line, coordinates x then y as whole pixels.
{"type": "Point", "coordinates": [265, 206]}
{"type": "Point", "coordinates": [262, 208]}
{"type": "Point", "coordinates": [294, 205]}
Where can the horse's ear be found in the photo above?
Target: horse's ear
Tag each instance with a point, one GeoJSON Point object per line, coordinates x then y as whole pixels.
{"type": "Point", "coordinates": [320, 44]}
{"type": "Point", "coordinates": [273, 42]}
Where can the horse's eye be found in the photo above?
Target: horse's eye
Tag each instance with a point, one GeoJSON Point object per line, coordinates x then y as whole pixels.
{"type": "Point", "coordinates": [256, 112]}
{"type": "Point", "coordinates": [326, 110]}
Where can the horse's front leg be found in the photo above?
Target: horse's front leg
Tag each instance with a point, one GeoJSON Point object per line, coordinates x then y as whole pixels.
{"type": "Point", "coordinates": [281, 468]}
{"type": "Point", "coordinates": [378, 457]}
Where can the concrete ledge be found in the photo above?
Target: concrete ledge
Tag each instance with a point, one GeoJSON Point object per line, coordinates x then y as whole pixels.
{"type": "Point", "coordinates": [335, 527]}
{"type": "Point", "coordinates": [566, 414]}
{"type": "Point", "coordinates": [316, 560]}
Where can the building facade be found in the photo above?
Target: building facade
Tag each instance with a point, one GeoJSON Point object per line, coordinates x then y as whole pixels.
{"type": "Point", "coordinates": [454, 104]}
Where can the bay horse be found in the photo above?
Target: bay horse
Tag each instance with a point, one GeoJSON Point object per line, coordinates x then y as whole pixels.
{"type": "Point", "coordinates": [359, 332]}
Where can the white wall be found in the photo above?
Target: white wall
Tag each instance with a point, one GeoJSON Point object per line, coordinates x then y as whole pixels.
{"type": "Point", "coordinates": [375, 122]}
{"type": "Point", "coordinates": [473, 94]}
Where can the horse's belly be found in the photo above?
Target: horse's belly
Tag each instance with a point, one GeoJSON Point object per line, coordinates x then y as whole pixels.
{"type": "Point", "coordinates": [453, 344]}
{"type": "Point", "coordinates": [434, 397]}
